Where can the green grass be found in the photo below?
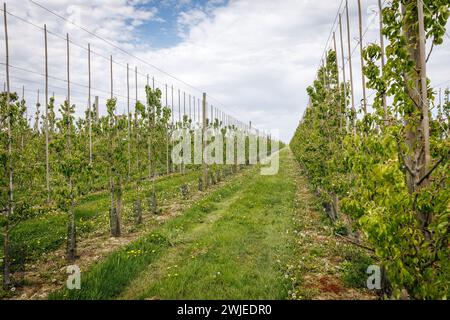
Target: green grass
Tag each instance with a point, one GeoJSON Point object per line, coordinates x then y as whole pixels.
{"type": "Point", "coordinates": [34, 237]}
{"type": "Point", "coordinates": [107, 279]}
{"type": "Point", "coordinates": [234, 244]}
{"type": "Point", "coordinates": [354, 268]}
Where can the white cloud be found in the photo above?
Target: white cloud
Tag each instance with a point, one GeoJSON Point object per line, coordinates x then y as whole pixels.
{"type": "Point", "coordinates": [257, 57]}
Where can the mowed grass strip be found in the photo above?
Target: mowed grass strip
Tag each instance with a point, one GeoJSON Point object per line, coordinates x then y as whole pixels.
{"type": "Point", "coordinates": [234, 244]}
{"type": "Point", "coordinates": [34, 237]}
{"type": "Point", "coordinates": [240, 255]}
{"type": "Point", "coordinates": [109, 278]}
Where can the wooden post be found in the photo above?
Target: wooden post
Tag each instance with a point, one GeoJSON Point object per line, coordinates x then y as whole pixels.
{"type": "Point", "coordinates": [47, 162]}
{"type": "Point", "coordinates": [111, 73]}
{"type": "Point", "coordinates": [167, 102]}
{"type": "Point", "coordinates": [71, 247]}
{"type": "Point", "coordinates": [90, 104]}
{"type": "Point", "coordinates": [26, 107]}
{"type": "Point", "coordinates": [338, 84]}
{"type": "Point", "coordinates": [154, 167]}
{"type": "Point", "coordinates": [182, 167]}
{"type": "Point", "coordinates": [129, 121]}
{"type": "Point", "coordinates": [172, 167]}
{"type": "Point", "coordinates": [351, 70]}
{"type": "Point", "coordinates": [97, 115]}
{"type": "Point", "coordinates": [324, 74]}
{"type": "Point", "coordinates": [37, 114]}
{"type": "Point", "coordinates": [424, 89]}
{"type": "Point", "coordinates": [167, 138]}
{"type": "Point", "coordinates": [9, 212]}
{"type": "Point", "coordinates": [364, 102]}
{"type": "Point", "coordinates": [205, 166]}
{"type": "Point", "coordinates": [337, 61]}
{"type": "Point", "coordinates": [383, 62]}
{"type": "Point", "coordinates": [149, 142]}
{"type": "Point", "coordinates": [136, 82]}
{"type": "Point", "coordinates": [173, 116]}
{"type": "Point", "coordinates": [68, 75]}
{"type": "Point", "coordinates": [212, 116]}
{"type": "Point", "coordinates": [189, 107]}
{"type": "Point", "coordinates": [195, 118]}
{"type": "Point", "coordinates": [343, 67]}
{"type": "Point", "coordinates": [179, 106]}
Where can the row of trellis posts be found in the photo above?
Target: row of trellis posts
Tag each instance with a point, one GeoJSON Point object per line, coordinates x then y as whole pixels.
{"type": "Point", "coordinates": [225, 120]}
{"type": "Point", "coordinates": [347, 54]}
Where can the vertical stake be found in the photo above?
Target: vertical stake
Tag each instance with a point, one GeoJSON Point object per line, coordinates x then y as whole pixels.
{"type": "Point", "coordinates": [111, 73]}
{"type": "Point", "coordinates": [136, 97]}
{"type": "Point", "coordinates": [173, 116]}
{"type": "Point", "coordinates": [90, 104]}
{"type": "Point", "coordinates": [364, 102]}
{"type": "Point", "coordinates": [166, 96]}
{"type": "Point", "coordinates": [205, 167]}
{"type": "Point", "coordinates": [6, 260]}
{"type": "Point", "coordinates": [179, 106]}
{"type": "Point", "coordinates": [47, 162]}
{"type": "Point", "coordinates": [26, 107]}
{"type": "Point", "coordinates": [97, 111]}
{"type": "Point", "coordinates": [351, 69]}
{"type": "Point", "coordinates": [343, 67]}
{"type": "Point", "coordinates": [424, 88]}
{"type": "Point", "coordinates": [168, 137]}
{"type": "Point", "coordinates": [129, 121]}
{"type": "Point", "coordinates": [338, 83]}
{"type": "Point", "coordinates": [383, 62]}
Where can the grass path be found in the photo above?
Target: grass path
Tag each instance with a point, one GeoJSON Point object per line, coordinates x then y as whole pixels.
{"type": "Point", "coordinates": [234, 253]}
{"type": "Point", "coordinates": [47, 232]}
{"type": "Point", "coordinates": [45, 273]}
{"type": "Point", "coordinates": [258, 237]}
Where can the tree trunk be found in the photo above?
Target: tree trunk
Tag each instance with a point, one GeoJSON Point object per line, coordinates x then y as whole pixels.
{"type": "Point", "coordinates": [6, 260]}
{"type": "Point", "coordinates": [415, 121]}
{"type": "Point", "coordinates": [119, 208]}
{"type": "Point", "coordinates": [138, 211]}
{"type": "Point", "coordinates": [139, 178]}
{"type": "Point", "coordinates": [71, 232]}
{"type": "Point", "coordinates": [112, 208]}
{"type": "Point", "coordinates": [116, 205]}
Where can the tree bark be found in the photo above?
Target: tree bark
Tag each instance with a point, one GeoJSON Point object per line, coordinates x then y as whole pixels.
{"type": "Point", "coordinates": [116, 207]}
{"type": "Point", "coordinates": [416, 123]}
{"type": "Point", "coordinates": [6, 260]}
{"type": "Point", "coordinates": [119, 208]}
{"type": "Point", "coordinates": [71, 234]}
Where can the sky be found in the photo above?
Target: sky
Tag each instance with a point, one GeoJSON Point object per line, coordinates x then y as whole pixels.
{"type": "Point", "coordinates": [253, 58]}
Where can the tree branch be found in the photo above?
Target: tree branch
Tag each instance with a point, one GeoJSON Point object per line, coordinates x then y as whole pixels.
{"type": "Point", "coordinates": [429, 53]}
{"type": "Point", "coordinates": [430, 172]}
{"type": "Point", "coordinates": [404, 160]}
{"type": "Point", "coordinates": [356, 243]}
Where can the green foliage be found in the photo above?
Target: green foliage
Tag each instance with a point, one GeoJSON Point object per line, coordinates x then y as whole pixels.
{"type": "Point", "coordinates": [354, 268]}
{"type": "Point", "coordinates": [401, 209]}
{"type": "Point", "coordinates": [228, 237]}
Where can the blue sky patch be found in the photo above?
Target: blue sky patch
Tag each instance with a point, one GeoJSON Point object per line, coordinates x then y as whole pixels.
{"type": "Point", "coordinates": [164, 31]}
